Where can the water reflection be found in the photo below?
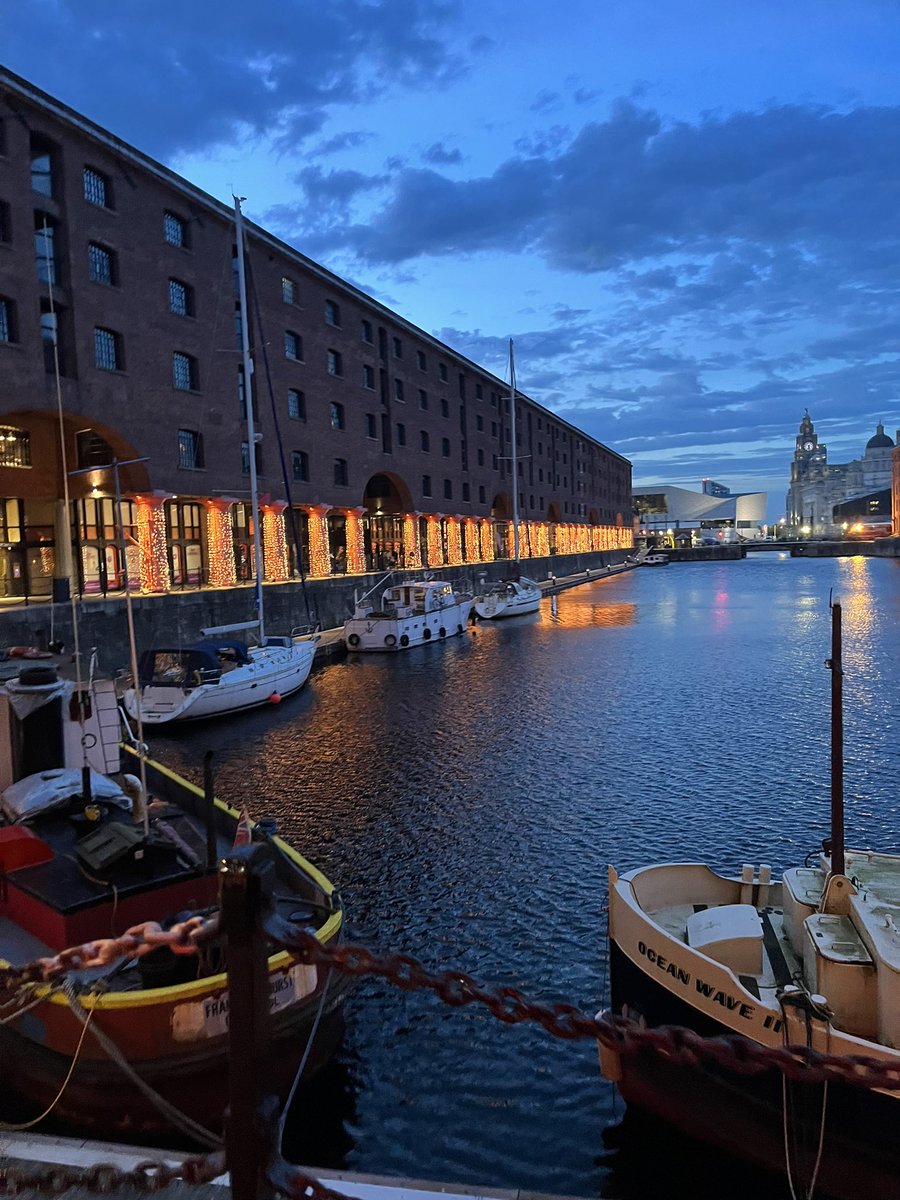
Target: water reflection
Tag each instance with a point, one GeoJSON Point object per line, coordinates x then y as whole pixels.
{"type": "Point", "coordinates": [468, 796]}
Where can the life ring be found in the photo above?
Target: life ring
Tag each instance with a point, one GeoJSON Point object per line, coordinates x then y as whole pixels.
{"type": "Point", "coordinates": [426, 633]}
{"type": "Point", "coordinates": [442, 631]}
{"type": "Point", "coordinates": [390, 640]}
{"type": "Point", "coordinates": [404, 639]}
{"type": "Point", "coordinates": [353, 639]}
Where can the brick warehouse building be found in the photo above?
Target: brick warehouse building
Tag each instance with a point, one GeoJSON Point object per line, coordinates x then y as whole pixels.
{"type": "Point", "coordinates": [120, 326]}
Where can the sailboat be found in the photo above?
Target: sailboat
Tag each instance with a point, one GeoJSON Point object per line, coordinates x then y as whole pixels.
{"type": "Point", "coordinates": [515, 595]}
{"type": "Point", "coordinates": [811, 960]}
{"type": "Point", "coordinates": [222, 674]}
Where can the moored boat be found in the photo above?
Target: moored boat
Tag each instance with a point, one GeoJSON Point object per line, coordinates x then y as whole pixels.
{"type": "Point", "coordinates": [136, 1046]}
{"type": "Point", "coordinates": [810, 960]}
{"type": "Point", "coordinates": [412, 612]}
{"type": "Point", "coordinates": [509, 598]}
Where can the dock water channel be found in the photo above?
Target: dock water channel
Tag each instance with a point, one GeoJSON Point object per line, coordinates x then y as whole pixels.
{"type": "Point", "coordinates": [468, 796]}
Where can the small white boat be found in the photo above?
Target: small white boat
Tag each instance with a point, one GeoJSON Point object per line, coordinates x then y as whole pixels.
{"type": "Point", "coordinates": [412, 612]}
{"type": "Point", "coordinates": [509, 598]}
{"type": "Point", "coordinates": [218, 676]}
{"type": "Point", "coordinates": [647, 558]}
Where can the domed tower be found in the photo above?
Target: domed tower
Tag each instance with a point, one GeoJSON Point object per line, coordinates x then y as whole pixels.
{"type": "Point", "coordinates": [876, 462]}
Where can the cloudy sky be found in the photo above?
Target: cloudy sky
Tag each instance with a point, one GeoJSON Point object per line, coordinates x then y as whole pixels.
{"type": "Point", "coordinates": [685, 212]}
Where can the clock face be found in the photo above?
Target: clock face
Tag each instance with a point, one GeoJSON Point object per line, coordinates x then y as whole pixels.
{"type": "Point", "coordinates": [807, 445]}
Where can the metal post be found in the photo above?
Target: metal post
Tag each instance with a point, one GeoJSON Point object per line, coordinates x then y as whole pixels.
{"type": "Point", "coordinates": [247, 1142]}
{"type": "Point", "coordinates": [837, 744]}
{"type": "Point", "coordinates": [209, 810]}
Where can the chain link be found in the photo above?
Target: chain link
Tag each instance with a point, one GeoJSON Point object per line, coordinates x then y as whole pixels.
{"type": "Point", "coordinates": [147, 1176]}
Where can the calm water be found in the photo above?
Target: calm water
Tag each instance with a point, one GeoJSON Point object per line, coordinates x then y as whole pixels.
{"type": "Point", "coordinates": [467, 798]}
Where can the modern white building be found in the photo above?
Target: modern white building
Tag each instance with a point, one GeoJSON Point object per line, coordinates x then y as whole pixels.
{"type": "Point", "coordinates": [817, 486]}
{"type": "Point", "coordinates": [667, 514]}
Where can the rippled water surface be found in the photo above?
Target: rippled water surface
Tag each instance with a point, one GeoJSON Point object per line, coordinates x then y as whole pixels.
{"type": "Point", "coordinates": [467, 798]}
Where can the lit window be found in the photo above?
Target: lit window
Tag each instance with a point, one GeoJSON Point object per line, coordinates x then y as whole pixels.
{"type": "Point", "coordinates": [332, 313]}
{"type": "Point", "coordinates": [184, 372]}
{"type": "Point", "coordinates": [336, 415]}
{"type": "Point", "coordinates": [190, 449]}
{"type": "Point", "coordinates": [296, 405]}
{"type": "Point", "coordinates": [96, 188]}
{"type": "Point", "coordinates": [334, 363]}
{"type": "Point", "coordinates": [15, 447]}
{"type": "Point", "coordinates": [300, 466]}
{"type": "Point", "coordinates": [107, 350]}
{"type": "Point", "coordinates": [174, 230]}
{"type": "Point", "coordinates": [293, 345]}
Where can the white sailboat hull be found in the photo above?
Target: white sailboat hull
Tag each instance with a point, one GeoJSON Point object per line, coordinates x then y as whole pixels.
{"type": "Point", "coordinates": [272, 671]}
{"type": "Point", "coordinates": [515, 599]}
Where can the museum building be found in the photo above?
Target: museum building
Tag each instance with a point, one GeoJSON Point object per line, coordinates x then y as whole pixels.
{"type": "Point", "coordinates": [120, 328]}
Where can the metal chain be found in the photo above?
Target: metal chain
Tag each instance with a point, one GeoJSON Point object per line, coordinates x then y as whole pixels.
{"type": "Point", "coordinates": [147, 1176]}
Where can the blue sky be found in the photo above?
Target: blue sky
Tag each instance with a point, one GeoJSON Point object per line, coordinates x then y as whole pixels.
{"type": "Point", "coordinates": [686, 214]}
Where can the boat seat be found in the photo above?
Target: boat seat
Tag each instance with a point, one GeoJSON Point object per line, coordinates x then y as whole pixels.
{"type": "Point", "coordinates": [801, 894]}
{"type": "Point", "coordinates": [837, 965]}
{"type": "Point", "coordinates": [732, 934]}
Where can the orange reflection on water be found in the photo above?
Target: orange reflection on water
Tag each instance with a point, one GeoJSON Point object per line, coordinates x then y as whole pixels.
{"type": "Point", "coordinates": [593, 612]}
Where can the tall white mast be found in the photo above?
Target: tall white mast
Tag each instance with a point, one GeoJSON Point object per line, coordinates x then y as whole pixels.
{"type": "Point", "coordinates": [248, 401]}
{"type": "Point", "coordinates": [514, 456]}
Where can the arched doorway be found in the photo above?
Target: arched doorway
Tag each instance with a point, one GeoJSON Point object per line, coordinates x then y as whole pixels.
{"type": "Point", "coordinates": [387, 500]}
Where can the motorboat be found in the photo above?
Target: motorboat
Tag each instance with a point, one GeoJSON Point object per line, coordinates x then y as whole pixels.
{"type": "Point", "coordinates": [411, 613]}
{"type": "Point", "coordinates": [97, 840]}
{"type": "Point", "coordinates": [218, 675]}
{"type": "Point", "coordinates": [509, 598]}
{"type": "Point", "coordinates": [810, 960]}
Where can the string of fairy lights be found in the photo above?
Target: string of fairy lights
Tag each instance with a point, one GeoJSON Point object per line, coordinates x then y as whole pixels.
{"type": "Point", "coordinates": [448, 541]}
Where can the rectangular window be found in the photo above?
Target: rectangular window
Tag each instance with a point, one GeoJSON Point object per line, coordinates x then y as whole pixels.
{"type": "Point", "coordinates": [101, 264]}
{"type": "Point", "coordinates": [334, 363]}
{"type": "Point", "coordinates": [7, 320]}
{"type": "Point", "coordinates": [442, 372]}
{"type": "Point", "coordinates": [288, 290]}
{"type": "Point", "coordinates": [371, 426]}
{"type": "Point", "coordinates": [293, 345]}
{"type": "Point", "coordinates": [45, 249]}
{"type": "Point", "coordinates": [367, 335]}
{"type": "Point", "coordinates": [15, 448]}
{"type": "Point", "coordinates": [481, 495]}
{"type": "Point", "coordinates": [300, 466]}
{"type": "Point", "coordinates": [424, 440]}
{"type": "Point", "coordinates": [481, 458]}
{"type": "Point", "coordinates": [368, 377]}
{"type": "Point", "coordinates": [398, 347]}
{"type": "Point", "coordinates": [466, 492]}
{"type": "Point", "coordinates": [398, 390]}
{"type": "Point", "coordinates": [332, 314]}
{"type": "Point", "coordinates": [421, 361]}
{"type": "Point", "coordinates": [190, 449]}
{"type": "Point", "coordinates": [494, 461]}
{"type": "Point", "coordinates": [341, 476]}
{"type": "Point", "coordinates": [296, 405]}
{"type": "Point", "coordinates": [445, 409]}
{"type": "Point", "coordinates": [423, 399]}
{"type": "Point", "coordinates": [42, 155]}
{"type": "Point", "coordinates": [5, 222]}
{"type": "Point", "coordinates": [479, 424]}
{"type": "Point", "coordinates": [426, 485]}
{"type": "Point", "coordinates": [174, 230]}
{"type": "Point", "coordinates": [336, 415]}
{"type": "Point", "coordinates": [181, 298]}
{"type": "Point", "coordinates": [448, 489]}
{"type": "Point", "coordinates": [185, 376]}
{"type": "Point", "coordinates": [445, 447]}
{"type": "Point", "coordinates": [107, 349]}
{"type": "Point", "coordinates": [97, 189]}
{"type": "Point", "coordinates": [245, 458]}
{"type": "Point", "coordinates": [479, 391]}
{"type": "Point", "coordinates": [401, 435]}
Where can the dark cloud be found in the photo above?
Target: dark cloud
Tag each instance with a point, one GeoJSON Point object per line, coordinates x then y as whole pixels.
{"type": "Point", "coordinates": [344, 141]}
{"type": "Point", "coordinates": [441, 156]}
{"type": "Point", "coordinates": [171, 78]}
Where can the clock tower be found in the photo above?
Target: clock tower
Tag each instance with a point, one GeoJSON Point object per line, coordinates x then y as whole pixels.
{"type": "Point", "coordinates": [807, 503]}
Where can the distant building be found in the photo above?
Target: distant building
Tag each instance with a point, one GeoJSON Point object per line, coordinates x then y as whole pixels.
{"type": "Point", "coordinates": [676, 515]}
{"type": "Point", "coordinates": [818, 487]}
{"type": "Point", "coordinates": [865, 516]}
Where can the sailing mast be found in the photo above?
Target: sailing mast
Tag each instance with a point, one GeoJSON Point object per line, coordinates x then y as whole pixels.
{"type": "Point", "coordinates": [515, 458]}
{"type": "Point", "coordinates": [248, 401]}
{"type": "Point", "coordinates": [835, 665]}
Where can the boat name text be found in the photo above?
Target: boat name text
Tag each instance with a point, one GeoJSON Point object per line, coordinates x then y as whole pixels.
{"type": "Point", "coordinates": [708, 990]}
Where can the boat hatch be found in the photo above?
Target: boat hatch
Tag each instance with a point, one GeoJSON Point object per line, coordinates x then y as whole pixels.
{"type": "Point", "coordinates": [732, 934]}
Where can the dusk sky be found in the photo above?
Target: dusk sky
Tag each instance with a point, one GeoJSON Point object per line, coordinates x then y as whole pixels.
{"type": "Point", "coordinates": [685, 213]}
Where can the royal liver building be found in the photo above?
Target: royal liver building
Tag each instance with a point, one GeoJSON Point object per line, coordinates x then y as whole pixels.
{"type": "Point", "coordinates": [817, 486]}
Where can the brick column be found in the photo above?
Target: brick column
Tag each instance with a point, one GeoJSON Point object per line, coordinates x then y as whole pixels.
{"type": "Point", "coordinates": [487, 540]}
{"type": "Point", "coordinates": [412, 549]}
{"type": "Point", "coordinates": [434, 551]}
{"type": "Point", "coordinates": [454, 542]}
{"type": "Point", "coordinates": [472, 540]}
{"type": "Point", "coordinates": [153, 545]}
{"type": "Point", "coordinates": [319, 554]}
{"type": "Point", "coordinates": [274, 542]}
{"type": "Point", "coordinates": [356, 550]}
{"type": "Point", "coordinates": [220, 543]}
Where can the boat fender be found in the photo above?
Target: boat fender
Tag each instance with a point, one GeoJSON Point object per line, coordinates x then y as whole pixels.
{"type": "Point", "coordinates": [442, 631]}
{"type": "Point", "coordinates": [353, 639]}
{"type": "Point", "coordinates": [404, 639]}
{"type": "Point", "coordinates": [459, 629]}
{"type": "Point", "coordinates": [390, 640]}
{"type": "Point", "coordinates": [426, 633]}
{"type": "Point", "coordinates": [275, 698]}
